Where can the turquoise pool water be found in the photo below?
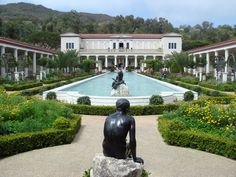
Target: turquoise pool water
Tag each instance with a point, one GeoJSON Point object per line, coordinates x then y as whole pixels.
{"type": "Point", "coordinates": [138, 85]}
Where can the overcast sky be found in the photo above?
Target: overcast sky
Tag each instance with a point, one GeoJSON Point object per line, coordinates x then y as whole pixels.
{"type": "Point", "coordinates": [178, 12]}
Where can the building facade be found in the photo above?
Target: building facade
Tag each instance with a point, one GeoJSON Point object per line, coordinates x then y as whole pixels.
{"type": "Point", "coordinates": [216, 53]}
{"type": "Point", "coordinates": [20, 51]}
{"type": "Point", "coordinates": [125, 49]}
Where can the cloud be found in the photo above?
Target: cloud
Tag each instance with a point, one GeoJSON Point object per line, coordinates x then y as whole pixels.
{"type": "Point", "coordinates": [177, 12]}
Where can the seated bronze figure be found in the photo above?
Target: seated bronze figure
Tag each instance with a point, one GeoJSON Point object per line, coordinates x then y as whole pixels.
{"type": "Point", "coordinates": [118, 81]}
{"type": "Point", "coordinates": [116, 128]}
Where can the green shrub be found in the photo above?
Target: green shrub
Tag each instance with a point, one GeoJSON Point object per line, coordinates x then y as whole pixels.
{"type": "Point", "coordinates": [156, 100]}
{"type": "Point", "coordinates": [22, 142]}
{"type": "Point", "coordinates": [215, 93]}
{"type": "Point", "coordinates": [85, 100]}
{"type": "Point", "coordinates": [145, 173]}
{"type": "Point", "coordinates": [22, 86]}
{"type": "Point", "coordinates": [177, 125]}
{"type": "Point", "coordinates": [51, 96]}
{"type": "Point", "coordinates": [188, 96]}
{"type": "Point", "coordinates": [61, 123]}
{"type": "Point", "coordinates": [198, 90]}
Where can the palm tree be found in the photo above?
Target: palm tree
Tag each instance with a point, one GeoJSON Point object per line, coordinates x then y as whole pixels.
{"type": "Point", "coordinates": [180, 60]}
{"type": "Point", "coordinates": [67, 60]}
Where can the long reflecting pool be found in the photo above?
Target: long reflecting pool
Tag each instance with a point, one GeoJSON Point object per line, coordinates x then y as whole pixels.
{"type": "Point", "coordinates": [137, 84]}
{"type": "Point", "coordinates": [98, 88]}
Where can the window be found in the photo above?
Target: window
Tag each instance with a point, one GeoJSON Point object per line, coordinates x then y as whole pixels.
{"type": "Point", "coordinates": [127, 45]}
{"type": "Point", "coordinates": [172, 45]}
{"type": "Point", "coordinates": [69, 45]}
{"type": "Point", "coordinates": [114, 45]}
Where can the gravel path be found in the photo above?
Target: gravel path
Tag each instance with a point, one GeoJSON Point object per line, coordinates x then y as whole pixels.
{"type": "Point", "coordinates": [160, 159]}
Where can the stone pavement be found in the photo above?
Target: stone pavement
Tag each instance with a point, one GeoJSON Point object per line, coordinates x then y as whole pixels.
{"type": "Point", "coordinates": [161, 160]}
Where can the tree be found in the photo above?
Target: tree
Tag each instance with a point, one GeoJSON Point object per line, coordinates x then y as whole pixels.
{"type": "Point", "coordinates": [87, 64]}
{"type": "Point", "coordinates": [43, 62]}
{"type": "Point", "coordinates": [180, 60]}
{"type": "Point", "coordinates": [69, 59]}
{"type": "Point", "coordinates": [153, 64]}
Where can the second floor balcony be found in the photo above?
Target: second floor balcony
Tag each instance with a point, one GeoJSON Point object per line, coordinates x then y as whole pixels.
{"type": "Point", "coordinates": [121, 51]}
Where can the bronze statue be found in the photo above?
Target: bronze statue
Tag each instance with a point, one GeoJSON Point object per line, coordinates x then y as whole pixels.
{"type": "Point", "coordinates": [118, 81]}
{"type": "Point", "coordinates": [116, 128]}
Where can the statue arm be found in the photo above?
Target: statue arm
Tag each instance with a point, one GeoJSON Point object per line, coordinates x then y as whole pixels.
{"type": "Point", "coordinates": [132, 142]}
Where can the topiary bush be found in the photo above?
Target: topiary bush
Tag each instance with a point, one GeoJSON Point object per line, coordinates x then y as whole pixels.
{"type": "Point", "coordinates": [84, 100]}
{"type": "Point", "coordinates": [51, 96]}
{"type": "Point", "coordinates": [188, 96]}
{"type": "Point", "coordinates": [61, 123]}
{"type": "Point", "coordinates": [156, 100]}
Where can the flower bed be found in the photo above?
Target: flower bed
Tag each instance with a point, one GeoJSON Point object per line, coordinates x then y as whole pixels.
{"type": "Point", "coordinates": [205, 126]}
{"type": "Point", "coordinates": [29, 123]}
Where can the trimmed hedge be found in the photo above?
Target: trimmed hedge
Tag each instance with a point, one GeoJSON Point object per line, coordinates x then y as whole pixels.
{"type": "Point", "coordinates": [190, 86]}
{"type": "Point", "coordinates": [227, 87]}
{"type": "Point", "coordinates": [22, 86]}
{"type": "Point", "coordinates": [40, 90]}
{"type": "Point", "coordinates": [134, 110]}
{"type": "Point", "coordinates": [22, 142]}
{"type": "Point", "coordinates": [197, 139]}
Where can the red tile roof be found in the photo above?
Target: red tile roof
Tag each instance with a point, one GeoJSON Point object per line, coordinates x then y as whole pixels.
{"type": "Point", "coordinates": [213, 46]}
{"type": "Point", "coordinates": [24, 45]}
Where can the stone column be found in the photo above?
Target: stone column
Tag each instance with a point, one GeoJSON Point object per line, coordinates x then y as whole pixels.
{"type": "Point", "coordinates": [41, 69]}
{"type": "Point", "coordinates": [16, 73]}
{"type": "Point", "coordinates": [3, 69]}
{"type": "Point", "coordinates": [226, 66]}
{"type": "Point", "coordinates": [26, 67]}
{"type": "Point", "coordinates": [34, 64]}
{"type": "Point", "coordinates": [194, 70]}
{"type": "Point", "coordinates": [126, 61]}
{"type": "Point", "coordinates": [135, 61]}
{"type": "Point", "coordinates": [207, 63]}
{"type": "Point", "coordinates": [115, 60]}
{"type": "Point", "coordinates": [96, 61]}
{"type": "Point", "coordinates": [216, 73]}
{"type": "Point", "coordinates": [106, 61]}
{"type": "Point", "coordinates": [200, 72]}
{"type": "Point", "coordinates": [16, 57]}
{"type": "Point", "coordinates": [145, 57]}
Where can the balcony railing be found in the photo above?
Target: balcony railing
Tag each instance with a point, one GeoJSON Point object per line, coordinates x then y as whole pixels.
{"type": "Point", "coordinates": [121, 51]}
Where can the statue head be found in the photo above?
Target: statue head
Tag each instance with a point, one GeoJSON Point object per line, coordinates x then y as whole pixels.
{"type": "Point", "coordinates": [122, 105]}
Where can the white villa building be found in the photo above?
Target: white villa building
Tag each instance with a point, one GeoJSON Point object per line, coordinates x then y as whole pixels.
{"type": "Point", "coordinates": [126, 49]}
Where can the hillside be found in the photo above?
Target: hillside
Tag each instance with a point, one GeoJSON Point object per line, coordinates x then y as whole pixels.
{"type": "Point", "coordinates": [38, 12]}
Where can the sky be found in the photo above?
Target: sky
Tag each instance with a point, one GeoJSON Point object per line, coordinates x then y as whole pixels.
{"type": "Point", "coordinates": [178, 12]}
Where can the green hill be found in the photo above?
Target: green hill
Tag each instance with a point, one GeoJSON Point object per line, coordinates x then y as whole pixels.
{"type": "Point", "coordinates": [33, 12]}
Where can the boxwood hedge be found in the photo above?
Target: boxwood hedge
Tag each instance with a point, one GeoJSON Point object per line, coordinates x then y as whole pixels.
{"type": "Point", "coordinates": [204, 141]}
{"type": "Point", "coordinates": [16, 143]}
{"type": "Point", "coordinates": [134, 110]}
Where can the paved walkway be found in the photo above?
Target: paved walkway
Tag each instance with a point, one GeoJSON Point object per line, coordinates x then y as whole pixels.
{"type": "Point", "coordinates": [160, 159]}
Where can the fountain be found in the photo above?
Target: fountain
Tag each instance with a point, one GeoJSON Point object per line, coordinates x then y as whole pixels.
{"type": "Point", "coordinates": [119, 88]}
